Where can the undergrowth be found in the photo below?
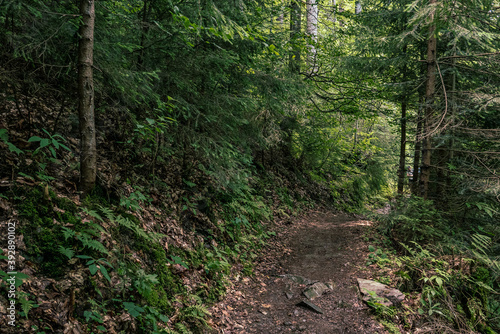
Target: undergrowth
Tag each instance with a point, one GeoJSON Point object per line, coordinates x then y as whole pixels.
{"type": "Point", "coordinates": [164, 286]}
{"type": "Point", "coordinates": [451, 274]}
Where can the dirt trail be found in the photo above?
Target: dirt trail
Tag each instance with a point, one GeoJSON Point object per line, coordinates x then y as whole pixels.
{"type": "Point", "coordinates": [323, 247]}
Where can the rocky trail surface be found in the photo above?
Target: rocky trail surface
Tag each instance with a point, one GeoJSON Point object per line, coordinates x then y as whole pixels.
{"type": "Point", "coordinates": [320, 255]}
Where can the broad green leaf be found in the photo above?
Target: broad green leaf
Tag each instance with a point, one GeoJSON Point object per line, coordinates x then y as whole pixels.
{"type": "Point", "coordinates": [44, 142]}
{"type": "Point", "coordinates": [104, 272]}
{"type": "Point", "coordinates": [93, 269]}
{"type": "Point", "coordinates": [34, 138]}
{"type": "Point", "coordinates": [133, 309]}
{"type": "Point", "coordinates": [55, 143]}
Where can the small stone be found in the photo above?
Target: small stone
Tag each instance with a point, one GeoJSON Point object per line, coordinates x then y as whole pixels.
{"type": "Point", "coordinates": [297, 279]}
{"type": "Point", "coordinates": [330, 285]}
{"type": "Point", "coordinates": [315, 290]}
{"type": "Point", "coordinates": [307, 304]}
{"type": "Point", "coordinates": [287, 323]}
{"type": "Point", "coordinates": [289, 295]}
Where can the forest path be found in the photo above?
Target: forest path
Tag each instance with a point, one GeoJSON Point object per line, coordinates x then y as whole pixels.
{"type": "Point", "coordinates": [324, 247]}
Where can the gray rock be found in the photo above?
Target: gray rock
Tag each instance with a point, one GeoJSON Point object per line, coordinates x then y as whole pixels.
{"type": "Point", "coordinates": [315, 290]}
{"type": "Point", "coordinates": [380, 292]}
{"type": "Point", "coordinates": [307, 304]}
{"type": "Point", "coordinates": [330, 285]}
{"type": "Point", "coordinates": [297, 279]}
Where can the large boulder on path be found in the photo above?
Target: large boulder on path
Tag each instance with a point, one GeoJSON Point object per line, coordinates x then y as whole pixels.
{"type": "Point", "coordinates": [379, 293]}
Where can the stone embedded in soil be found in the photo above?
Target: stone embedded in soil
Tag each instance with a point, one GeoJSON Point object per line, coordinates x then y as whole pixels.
{"type": "Point", "coordinates": [386, 296]}
{"type": "Point", "coordinates": [297, 279]}
{"type": "Point", "coordinates": [307, 304]}
{"type": "Point", "coordinates": [315, 290]}
{"type": "Point", "coordinates": [330, 285]}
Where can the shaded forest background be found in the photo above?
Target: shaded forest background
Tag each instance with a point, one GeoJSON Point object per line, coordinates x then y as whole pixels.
{"type": "Point", "coordinates": [214, 119]}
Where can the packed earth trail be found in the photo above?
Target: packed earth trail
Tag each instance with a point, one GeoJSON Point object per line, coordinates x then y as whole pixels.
{"type": "Point", "coordinates": [323, 247]}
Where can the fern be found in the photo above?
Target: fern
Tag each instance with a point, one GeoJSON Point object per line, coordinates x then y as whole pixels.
{"type": "Point", "coordinates": [129, 224]}
{"type": "Point", "coordinates": [182, 328]}
{"type": "Point", "coordinates": [197, 313]}
{"type": "Point", "coordinates": [481, 242]}
{"type": "Point", "coordinates": [108, 213]}
{"type": "Point", "coordinates": [166, 331]}
{"type": "Point", "coordinates": [26, 303]}
{"type": "Point", "coordinates": [67, 251]}
{"type": "Point", "coordinates": [95, 228]}
{"type": "Point", "coordinates": [68, 233]}
{"type": "Point", "coordinates": [93, 213]}
{"type": "Point", "coordinates": [88, 242]}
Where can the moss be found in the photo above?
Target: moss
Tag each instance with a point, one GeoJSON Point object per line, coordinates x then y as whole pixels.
{"type": "Point", "coordinates": [159, 300]}
{"type": "Point", "coordinates": [42, 229]}
{"type": "Point", "coordinates": [98, 197]}
{"type": "Point", "coordinates": [42, 234]}
{"type": "Point", "coordinates": [482, 274]}
{"type": "Point", "coordinates": [169, 285]}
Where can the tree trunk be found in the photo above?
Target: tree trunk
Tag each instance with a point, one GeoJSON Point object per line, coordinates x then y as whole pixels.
{"type": "Point", "coordinates": [402, 150]}
{"type": "Point", "coordinates": [358, 8]}
{"type": "Point", "coordinates": [312, 29]}
{"type": "Point", "coordinates": [418, 147]}
{"type": "Point", "coordinates": [445, 154]}
{"type": "Point", "coordinates": [333, 14]}
{"type": "Point", "coordinates": [295, 27]}
{"type": "Point", "coordinates": [429, 108]}
{"type": "Point", "coordinates": [453, 110]}
{"type": "Point", "coordinates": [144, 31]}
{"type": "Point", "coordinates": [86, 98]}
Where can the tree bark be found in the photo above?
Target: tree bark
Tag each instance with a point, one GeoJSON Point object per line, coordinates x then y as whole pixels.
{"type": "Point", "coordinates": [429, 107]}
{"type": "Point", "coordinates": [332, 14]}
{"type": "Point", "coordinates": [402, 147]}
{"type": "Point", "coordinates": [146, 10]}
{"type": "Point", "coordinates": [88, 158]}
{"type": "Point", "coordinates": [295, 27]}
{"type": "Point", "coordinates": [418, 148]}
{"type": "Point", "coordinates": [312, 28]}
{"type": "Point", "coordinates": [358, 8]}
{"type": "Point", "coordinates": [402, 150]}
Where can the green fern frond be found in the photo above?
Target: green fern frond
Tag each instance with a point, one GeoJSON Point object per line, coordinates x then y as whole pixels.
{"type": "Point", "coordinates": [108, 213]}
{"type": "Point", "coordinates": [481, 242]}
{"type": "Point", "coordinates": [182, 328]}
{"type": "Point", "coordinates": [92, 244]}
{"type": "Point", "coordinates": [167, 331]}
{"type": "Point", "coordinates": [68, 233]}
{"type": "Point", "coordinates": [67, 251]}
{"type": "Point", "coordinates": [127, 223]}
{"type": "Point", "coordinates": [196, 312]}
{"type": "Point", "coordinates": [93, 213]}
{"type": "Point", "coordinates": [26, 304]}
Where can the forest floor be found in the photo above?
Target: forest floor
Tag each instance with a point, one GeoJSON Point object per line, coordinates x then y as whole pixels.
{"type": "Point", "coordinates": [327, 247]}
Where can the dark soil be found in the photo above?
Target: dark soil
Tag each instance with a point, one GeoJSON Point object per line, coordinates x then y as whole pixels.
{"type": "Point", "coordinates": [323, 247]}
